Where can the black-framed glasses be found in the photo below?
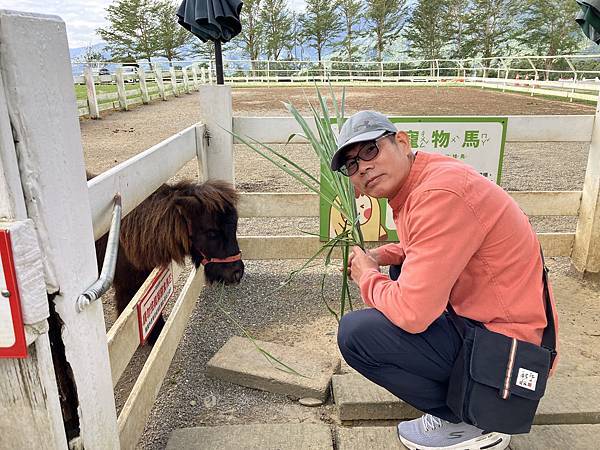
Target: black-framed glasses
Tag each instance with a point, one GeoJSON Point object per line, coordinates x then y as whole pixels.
{"type": "Point", "coordinates": [366, 153]}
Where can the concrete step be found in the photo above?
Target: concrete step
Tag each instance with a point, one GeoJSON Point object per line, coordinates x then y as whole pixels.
{"type": "Point", "coordinates": [359, 399]}
{"type": "Point", "coordinates": [239, 362]}
{"type": "Point", "coordinates": [541, 437]}
{"type": "Point", "coordinates": [559, 437]}
{"type": "Point", "coordinates": [292, 436]}
{"type": "Point", "coordinates": [568, 400]}
{"type": "Point", "coordinates": [363, 438]}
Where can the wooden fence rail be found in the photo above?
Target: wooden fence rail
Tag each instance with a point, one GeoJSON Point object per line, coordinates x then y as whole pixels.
{"type": "Point", "coordinates": [178, 82]}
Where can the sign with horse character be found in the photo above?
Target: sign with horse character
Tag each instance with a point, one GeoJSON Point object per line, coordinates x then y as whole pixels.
{"type": "Point", "coordinates": [477, 141]}
{"type": "Point", "coordinates": [12, 330]}
{"type": "Point", "coordinates": [153, 301]}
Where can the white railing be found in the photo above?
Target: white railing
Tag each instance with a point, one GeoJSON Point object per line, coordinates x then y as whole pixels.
{"type": "Point", "coordinates": [274, 130]}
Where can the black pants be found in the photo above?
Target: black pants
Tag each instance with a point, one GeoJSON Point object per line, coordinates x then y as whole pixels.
{"type": "Point", "coordinates": [413, 367]}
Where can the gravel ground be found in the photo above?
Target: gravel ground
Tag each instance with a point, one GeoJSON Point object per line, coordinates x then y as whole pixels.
{"type": "Point", "coordinates": [295, 315]}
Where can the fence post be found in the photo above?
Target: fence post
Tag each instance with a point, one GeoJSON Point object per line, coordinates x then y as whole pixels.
{"type": "Point", "coordinates": [186, 80]}
{"type": "Point", "coordinates": [203, 75]}
{"type": "Point", "coordinates": [121, 89]}
{"type": "Point", "coordinates": [29, 398]}
{"type": "Point", "coordinates": [47, 140]}
{"type": "Point", "coordinates": [159, 81]}
{"type": "Point", "coordinates": [92, 100]}
{"type": "Point", "coordinates": [195, 76]}
{"type": "Point", "coordinates": [210, 72]}
{"type": "Point", "coordinates": [574, 84]}
{"type": "Point", "coordinates": [586, 249]}
{"type": "Point", "coordinates": [535, 76]}
{"type": "Point", "coordinates": [216, 113]}
{"type": "Point", "coordinates": [143, 85]}
{"type": "Point", "coordinates": [174, 81]}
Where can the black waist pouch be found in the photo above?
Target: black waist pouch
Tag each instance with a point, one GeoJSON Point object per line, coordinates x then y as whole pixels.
{"type": "Point", "coordinates": [497, 382]}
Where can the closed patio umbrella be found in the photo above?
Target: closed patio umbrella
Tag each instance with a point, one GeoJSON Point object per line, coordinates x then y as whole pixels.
{"type": "Point", "coordinates": [589, 18]}
{"type": "Point", "coordinates": [212, 20]}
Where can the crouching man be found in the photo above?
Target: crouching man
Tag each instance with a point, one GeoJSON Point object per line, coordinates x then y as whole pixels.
{"type": "Point", "coordinates": [467, 257]}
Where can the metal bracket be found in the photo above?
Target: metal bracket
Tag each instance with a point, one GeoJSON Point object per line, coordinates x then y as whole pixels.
{"type": "Point", "coordinates": [207, 136]}
{"type": "Point", "coordinates": [104, 282]}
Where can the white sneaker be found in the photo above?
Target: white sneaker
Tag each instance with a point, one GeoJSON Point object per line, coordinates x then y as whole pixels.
{"type": "Point", "coordinates": [432, 433]}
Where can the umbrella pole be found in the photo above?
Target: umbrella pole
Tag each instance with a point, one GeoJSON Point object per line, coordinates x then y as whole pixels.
{"type": "Point", "coordinates": [219, 62]}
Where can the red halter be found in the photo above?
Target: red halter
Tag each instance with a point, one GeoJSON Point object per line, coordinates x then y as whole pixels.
{"type": "Point", "coordinates": [229, 259]}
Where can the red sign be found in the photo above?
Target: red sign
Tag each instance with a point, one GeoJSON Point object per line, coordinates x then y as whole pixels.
{"type": "Point", "coordinates": [12, 331]}
{"type": "Point", "coordinates": [153, 301]}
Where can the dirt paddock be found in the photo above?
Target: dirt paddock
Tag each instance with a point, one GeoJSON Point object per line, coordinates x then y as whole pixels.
{"type": "Point", "coordinates": [296, 315]}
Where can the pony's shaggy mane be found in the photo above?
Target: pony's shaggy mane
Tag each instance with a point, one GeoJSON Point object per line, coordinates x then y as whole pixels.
{"type": "Point", "coordinates": [157, 230]}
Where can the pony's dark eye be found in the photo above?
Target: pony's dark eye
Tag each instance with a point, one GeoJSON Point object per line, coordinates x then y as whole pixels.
{"type": "Point", "coordinates": [212, 234]}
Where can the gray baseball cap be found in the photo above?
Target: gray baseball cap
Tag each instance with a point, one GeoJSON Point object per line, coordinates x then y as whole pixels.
{"type": "Point", "coordinates": [362, 126]}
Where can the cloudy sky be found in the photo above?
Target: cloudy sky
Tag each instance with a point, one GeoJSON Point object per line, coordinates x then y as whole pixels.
{"type": "Point", "coordinates": [81, 16]}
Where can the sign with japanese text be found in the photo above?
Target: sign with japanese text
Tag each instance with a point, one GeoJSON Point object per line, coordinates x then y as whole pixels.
{"type": "Point", "coordinates": [478, 141]}
{"type": "Point", "coordinates": [153, 301]}
{"type": "Point", "coordinates": [12, 330]}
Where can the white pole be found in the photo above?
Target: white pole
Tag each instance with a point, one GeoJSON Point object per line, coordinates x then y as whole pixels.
{"type": "Point", "coordinates": [186, 80]}
{"type": "Point", "coordinates": [143, 85]}
{"type": "Point", "coordinates": [195, 76]}
{"type": "Point", "coordinates": [48, 141]}
{"type": "Point", "coordinates": [91, 94]}
{"type": "Point", "coordinates": [159, 81]}
{"type": "Point", "coordinates": [121, 89]}
{"type": "Point", "coordinates": [174, 82]}
{"type": "Point", "coordinates": [216, 112]}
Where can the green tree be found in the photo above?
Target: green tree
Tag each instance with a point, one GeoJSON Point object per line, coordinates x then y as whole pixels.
{"type": "Point", "coordinates": [321, 24]}
{"type": "Point", "coordinates": [387, 19]}
{"type": "Point", "coordinates": [351, 12]}
{"type": "Point", "coordinates": [277, 25]}
{"type": "Point", "coordinates": [549, 29]}
{"type": "Point", "coordinates": [493, 27]}
{"type": "Point", "coordinates": [427, 29]}
{"type": "Point", "coordinates": [133, 29]}
{"type": "Point", "coordinates": [458, 13]}
{"type": "Point", "coordinates": [171, 36]}
{"type": "Point", "coordinates": [250, 39]}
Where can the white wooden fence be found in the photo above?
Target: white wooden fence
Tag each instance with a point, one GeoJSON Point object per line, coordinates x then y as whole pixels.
{"type": "Point", "coordinates": [43, 180]}
{"type": "Point", "coordinates": [184, 80]}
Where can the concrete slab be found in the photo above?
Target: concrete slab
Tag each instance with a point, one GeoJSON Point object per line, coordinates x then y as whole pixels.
{"type": "Point", "coordinates": [295, 436]}
{"type": "Point", "coordinates": [359, 399]}
{"type": "Point", "coordinates": [361, 438]}
{"type": "Point", "coordinates": [570, 400]}
{"type": "Point", "coordinates": [239, 362]}
{"type": "Point", "coordinates": [541, 437]}
{"type": "Point", "coordinates": [567, 401]}
{"type": "Point", "coordinates": [563, 437]}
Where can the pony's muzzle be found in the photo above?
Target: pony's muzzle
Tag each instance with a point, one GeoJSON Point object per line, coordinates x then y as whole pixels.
{"type": "Point", "coordinates": [228, 273]}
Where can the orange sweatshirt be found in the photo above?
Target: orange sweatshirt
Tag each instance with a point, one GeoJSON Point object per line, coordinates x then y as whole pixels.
{"type": "Point", "coordinates": [463, 239]}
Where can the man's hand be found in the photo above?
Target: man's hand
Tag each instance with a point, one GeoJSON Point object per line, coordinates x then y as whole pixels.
{"type": "Point", "coordinates": [358, 262]}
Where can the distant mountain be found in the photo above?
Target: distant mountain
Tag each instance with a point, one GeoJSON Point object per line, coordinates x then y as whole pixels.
{"type": "Point", "coordinates": [78, 51]}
